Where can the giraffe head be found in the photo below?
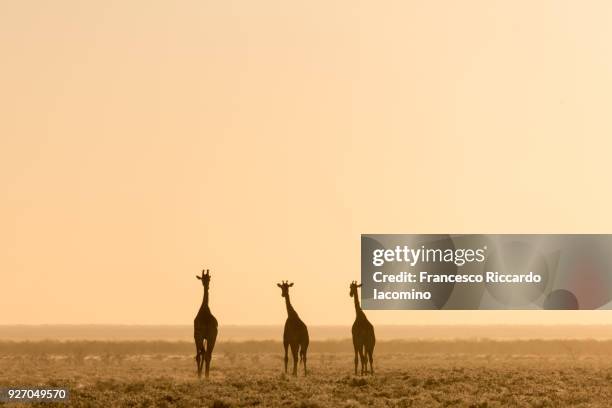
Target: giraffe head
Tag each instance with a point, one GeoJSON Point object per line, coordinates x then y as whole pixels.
{"type": "Point", "coordinates": [205, 278]}
{"type": "Point", "coordinates": [285, 285]}
{"type": "Point", "coordinates": [354, 287]}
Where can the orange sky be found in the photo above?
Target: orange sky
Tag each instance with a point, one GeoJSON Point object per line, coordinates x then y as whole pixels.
{"type": "Point", "coordinates": [140, 141]}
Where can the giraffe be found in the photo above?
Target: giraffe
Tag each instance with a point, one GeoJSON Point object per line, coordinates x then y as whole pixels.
{"type": "Point", "coordinates": [296, 332]}
{"type": "Point", "coordinates": [204, 328]}
{"type": "Point", "coordinates": [363, 334]}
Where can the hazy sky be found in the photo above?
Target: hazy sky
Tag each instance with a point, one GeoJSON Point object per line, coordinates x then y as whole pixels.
{"type": "Point", "coordinates": [143, 140]}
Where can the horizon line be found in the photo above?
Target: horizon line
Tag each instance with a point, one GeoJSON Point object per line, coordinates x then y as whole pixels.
{"type": "Point", "coordinates": [311, 325]}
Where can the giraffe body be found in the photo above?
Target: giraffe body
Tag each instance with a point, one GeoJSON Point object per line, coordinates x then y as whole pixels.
{"type": "Point", "coordinates": [363, 335]}
{"type": "Point", "coordinates": [295, 335]}
{"type": "Point", "coordinates": [204, 330]}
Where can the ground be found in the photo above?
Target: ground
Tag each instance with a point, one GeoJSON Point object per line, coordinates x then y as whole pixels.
{"type": "Point", "coordinates": [423, 379]}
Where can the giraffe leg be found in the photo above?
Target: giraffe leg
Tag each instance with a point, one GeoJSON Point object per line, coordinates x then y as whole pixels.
{"type": "Point", "coordinates": [201, 360]}
{"type": "Point", "coordinates": [369, 352]}
{"type": "Point", "coordinates": [303, 357]}
{"type": "Point", "coordinates": [199, 357]}
{"type": "Point", "coordinates": [363, 360]}
{"type": "Point", "coordinates": [356, 357]}
{"type": "Point", "coordinates": [294, 353]}
{"type": "Point", "coordinates": [286, 345]}
{"type": "Point", "coordinates": [210, 345]}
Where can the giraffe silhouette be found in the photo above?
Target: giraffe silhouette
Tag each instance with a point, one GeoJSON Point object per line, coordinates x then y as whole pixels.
{"type": "Point", "coordinates": [363, 334]}
{"type": "Point", "coordinates": [295, 334]}
{"type": "Point", "coordinates": [204, 328]}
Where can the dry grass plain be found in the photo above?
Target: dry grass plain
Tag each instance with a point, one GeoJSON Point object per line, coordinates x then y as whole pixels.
{"type": "Point", "coordinates": [465, 373]}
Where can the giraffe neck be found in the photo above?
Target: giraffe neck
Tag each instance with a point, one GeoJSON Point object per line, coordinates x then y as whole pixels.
{"type": "Point", "coordinates": [205, 300]}
{"type": "Point", "coordinates": [290, 309]}
{"type": "Point", "coordinates": [357, 306]}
